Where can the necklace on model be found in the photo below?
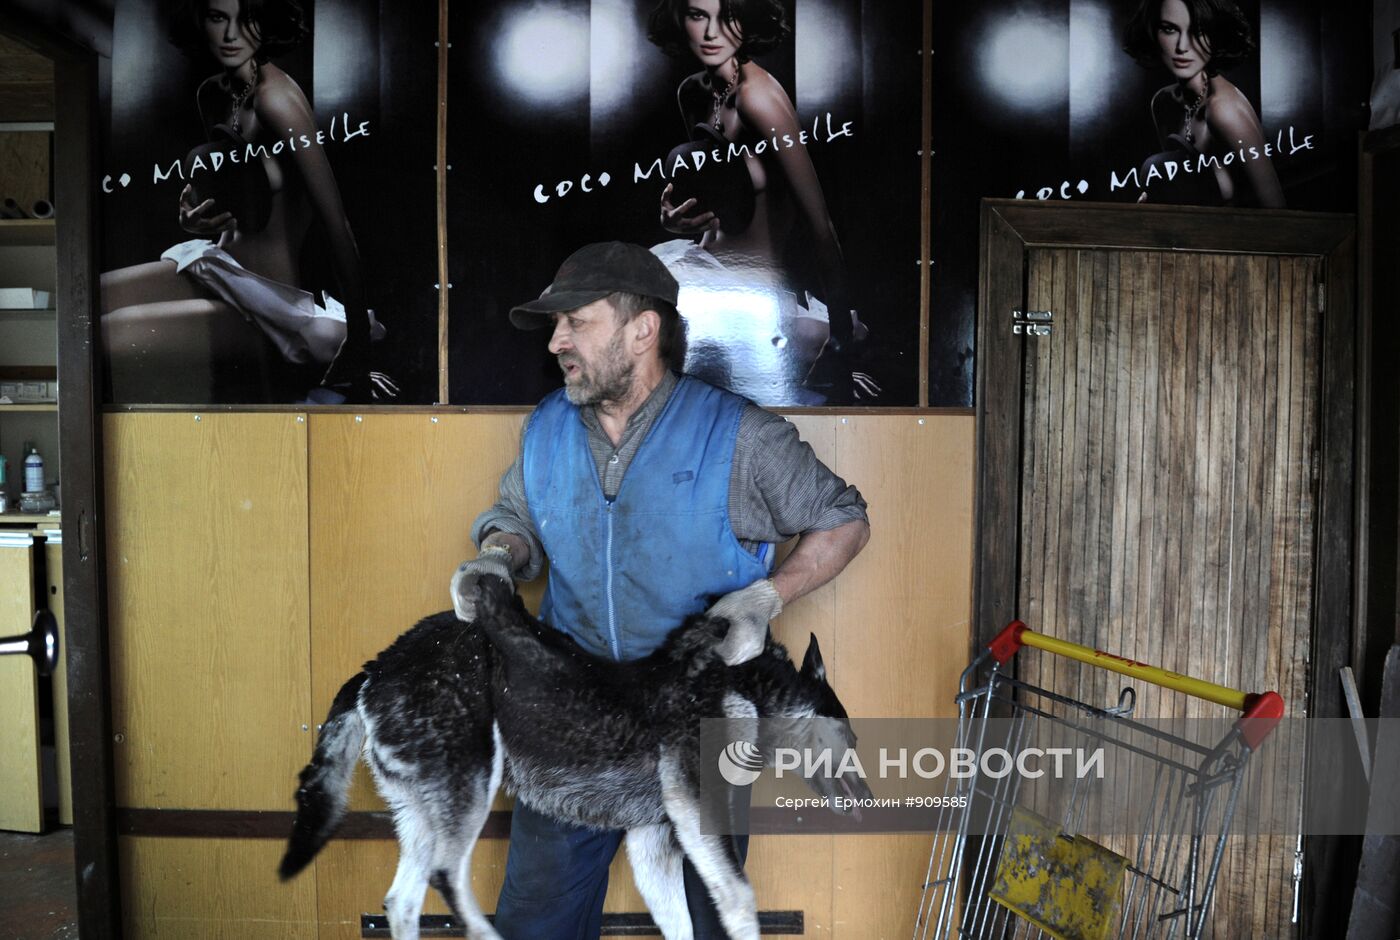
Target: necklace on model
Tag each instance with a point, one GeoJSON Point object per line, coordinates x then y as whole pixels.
{"type": "Point", "coordinates": [716, 118]}
{"type": "Point", "coordinates": [241, 97]}
{"type": "Point", "coordinates": [1193, 111]}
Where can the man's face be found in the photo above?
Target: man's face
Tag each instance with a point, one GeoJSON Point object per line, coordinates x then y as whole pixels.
{"type": "Point", "coordinates": [591, 348]}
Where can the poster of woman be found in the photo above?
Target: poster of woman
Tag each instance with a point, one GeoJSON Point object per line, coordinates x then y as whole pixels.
{"type": "Point", "coordinates": [1247, 104]}
{"type": "Point", "coordinates": [258, 245]}
{"type": "Point", "coordinates": [755, 146]}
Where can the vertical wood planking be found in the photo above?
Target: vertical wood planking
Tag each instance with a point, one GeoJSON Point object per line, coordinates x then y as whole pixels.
{"type": "Point", "coordinates": [1168, 515]}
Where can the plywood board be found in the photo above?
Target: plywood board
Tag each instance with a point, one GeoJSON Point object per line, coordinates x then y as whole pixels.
{"type": "Point", "coordinates": [53, 565]}
{"type": "Point", "coordinates": [209, 610]}
{"type": "Point", "coordinates": [214, 889]}
{"type": "Point", "coordinates": [903, 611]}
{"type": "Point", "coordinates": [21, 794]}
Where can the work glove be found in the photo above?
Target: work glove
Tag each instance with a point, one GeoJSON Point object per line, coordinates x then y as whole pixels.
{"type": "Point", "coordinates": [493, 560]}
{"type": "Point", "coordinates": [748, 611]}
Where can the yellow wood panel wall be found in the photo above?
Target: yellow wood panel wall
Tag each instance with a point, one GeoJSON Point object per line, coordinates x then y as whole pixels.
{"type": "Point", "coordinates": [904, 610]}
{"type": "Point", "coordinates": [21, 802]}
{"type": "Point", "coordinates": [390, 498]}
{"type": "Point", "coordinates": [53, 565]}
{"type": "Point", "coordinates": [208, 604]}
{"type": "Point", "coordinates": [211, 889]}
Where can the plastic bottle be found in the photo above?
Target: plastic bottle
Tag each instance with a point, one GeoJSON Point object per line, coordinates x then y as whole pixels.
{"type": "Point", "coordinates": [34, 472]}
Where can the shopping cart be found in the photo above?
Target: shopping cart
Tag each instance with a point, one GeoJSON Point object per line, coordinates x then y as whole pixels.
{"type": "Point", "coordinates": [1010, 856]}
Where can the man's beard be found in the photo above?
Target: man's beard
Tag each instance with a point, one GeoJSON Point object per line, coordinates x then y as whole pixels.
{"type": "Point", "coordinates": [610, 381]}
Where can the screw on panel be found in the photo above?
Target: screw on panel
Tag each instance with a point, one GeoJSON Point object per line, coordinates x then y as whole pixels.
{"type": "Point", "coordinates": [196, 417]}
{"type": "Point", "coordinates": [434, 419]}
{"type": "Point", "coordinates": [301, 419]}
{"type": "Point", "coordinates": [359, 419]}
{"type": "Point", "coordinates": [921, 421]}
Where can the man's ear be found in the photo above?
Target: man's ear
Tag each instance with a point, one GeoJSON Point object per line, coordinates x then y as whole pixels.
{"type": "Point", "coordinates": [646, 330]}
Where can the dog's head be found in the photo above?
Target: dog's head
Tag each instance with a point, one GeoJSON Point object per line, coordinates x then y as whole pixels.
{"type": "Point", "coordinates": [812, 720]}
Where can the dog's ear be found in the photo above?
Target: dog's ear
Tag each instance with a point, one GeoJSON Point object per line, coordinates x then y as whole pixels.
{"type": "Point", "coordinates": [812, 665]}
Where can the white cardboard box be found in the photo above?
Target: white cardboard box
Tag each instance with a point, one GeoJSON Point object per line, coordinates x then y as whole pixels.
{"type": "Point", "coordinates": [24, 298]}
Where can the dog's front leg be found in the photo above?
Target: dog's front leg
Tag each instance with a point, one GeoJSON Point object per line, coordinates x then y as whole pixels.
{"type": "Point", "coordinates": [708, 852]}
{"type": "Point", "coordinates": [657, 870]}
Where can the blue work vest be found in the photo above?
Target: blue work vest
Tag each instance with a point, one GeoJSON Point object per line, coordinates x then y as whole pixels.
{"type": "Point", "coordinates": [624, 572]}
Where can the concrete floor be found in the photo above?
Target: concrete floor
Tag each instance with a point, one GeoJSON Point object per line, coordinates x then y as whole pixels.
{"type": "Point", "coordinates": [38, 898]}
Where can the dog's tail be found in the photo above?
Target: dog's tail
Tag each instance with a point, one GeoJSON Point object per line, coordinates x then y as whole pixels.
{"type": "Point", "coordinates": [325, 782]}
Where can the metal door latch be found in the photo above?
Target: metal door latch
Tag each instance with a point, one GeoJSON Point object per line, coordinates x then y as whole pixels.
{"type": "Point", "coordinates": [1031, 322]}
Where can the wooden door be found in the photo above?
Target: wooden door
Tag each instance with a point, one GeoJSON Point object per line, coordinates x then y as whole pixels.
{"type": "Point", "coordinates": [21, 798]}
{"type": "Point", "coordinates": [1168, 498]}
{"type": "Point", "coordinates": [1151, 473]}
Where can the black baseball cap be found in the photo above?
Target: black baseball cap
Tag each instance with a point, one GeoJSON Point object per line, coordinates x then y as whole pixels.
{"type": "Point", "coordinates": [594, 272]}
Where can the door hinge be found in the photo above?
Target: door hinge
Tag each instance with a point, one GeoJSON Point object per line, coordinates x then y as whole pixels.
{"type": "Point", "coordinates": [1031, 322]}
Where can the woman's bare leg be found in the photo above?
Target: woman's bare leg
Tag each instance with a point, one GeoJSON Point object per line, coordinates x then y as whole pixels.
{"type": "Point", "coordinates": [154, 282]}
{"type": "Point", "coordinates": [806, 337]}
{"type": "Point", "coordinates": [185, 351]}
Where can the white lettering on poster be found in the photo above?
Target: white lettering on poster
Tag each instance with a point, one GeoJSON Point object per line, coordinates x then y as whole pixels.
{"type": "Point", "coordinates": [824, 129]}
{"type": "Point", "coordinates": [1286, 143]}
{"type": "Point", "coordinates": [341, 130]}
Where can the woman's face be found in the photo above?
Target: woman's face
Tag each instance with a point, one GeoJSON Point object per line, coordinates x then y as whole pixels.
{"type": "Point", "coordinates": [232, 42]}
{"type": "Point", "coordinates": [712, 40]}
{"type": "Point", "coordinates": [1183, 53]}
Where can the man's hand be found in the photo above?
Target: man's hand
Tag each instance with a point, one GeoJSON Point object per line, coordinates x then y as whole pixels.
{"type": "Point", "coordinates": [748, 611]}
{"type": "Point", "coordinates": [493, 560]}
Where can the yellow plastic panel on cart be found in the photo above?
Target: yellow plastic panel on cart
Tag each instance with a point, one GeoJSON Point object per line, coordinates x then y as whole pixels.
{"type": "Point", "coordinates": [1071, 887]}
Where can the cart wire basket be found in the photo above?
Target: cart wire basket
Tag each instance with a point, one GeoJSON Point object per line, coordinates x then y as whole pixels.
{"type": "Point", "coordinates": [1011, 858]}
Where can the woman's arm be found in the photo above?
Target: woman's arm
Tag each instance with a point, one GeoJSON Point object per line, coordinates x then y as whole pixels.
{"type": "Point", "coordinates": [282, 108]}
{"type": "Point", "coordinates": [766, 111]}
{"type": "Point", "coordinates": [1235, 126]}
{"type": "Point", "coordinates": [677, 218]}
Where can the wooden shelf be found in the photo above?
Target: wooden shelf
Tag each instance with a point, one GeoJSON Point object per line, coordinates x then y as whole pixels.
{"type": "Point", "coordinates": [26, 232]}
{"type": "Point", "coordinates": [29, 406]}
{"type": "Point", "coordinates": [26, 518]}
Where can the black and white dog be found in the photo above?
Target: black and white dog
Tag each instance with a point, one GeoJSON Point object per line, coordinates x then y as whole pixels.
{"type": "Point", "coordinates": [451, 709]}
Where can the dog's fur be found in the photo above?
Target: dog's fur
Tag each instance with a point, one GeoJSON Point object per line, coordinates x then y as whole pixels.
{"type": "Point", "coordinates": [450, 708]}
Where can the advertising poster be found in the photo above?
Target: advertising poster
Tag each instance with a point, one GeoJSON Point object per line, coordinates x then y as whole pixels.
{"type": "Point", "coordinates": [1186, 102]}
{"type": "Point", "coordinates": [268, 207]}
{"type": "Point", "coordinates": [766, 150]}
{"type": "Point", "coordinates": [1385, 89]}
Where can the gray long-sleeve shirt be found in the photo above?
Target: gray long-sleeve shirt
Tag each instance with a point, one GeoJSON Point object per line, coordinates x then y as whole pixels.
{"type": "Point", "coordinates": [777, 486]}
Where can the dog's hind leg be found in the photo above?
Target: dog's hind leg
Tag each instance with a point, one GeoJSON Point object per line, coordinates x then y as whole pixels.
{"type": "Point", "coordinates": [657, 870]}
{"type": "Point", "coordinates": [452, 867]}
{"type": "Point", "coordinates": [404, 902]}
{"type": "Point", "coordinates": [709, 853]}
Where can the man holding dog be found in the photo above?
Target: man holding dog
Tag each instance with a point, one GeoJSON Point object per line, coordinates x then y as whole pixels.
{"type": "Point", "coordinates": [649, 493]}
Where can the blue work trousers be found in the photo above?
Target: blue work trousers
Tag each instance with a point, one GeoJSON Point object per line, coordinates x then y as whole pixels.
{"type": "Point", "coordinates": [557, 877]}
